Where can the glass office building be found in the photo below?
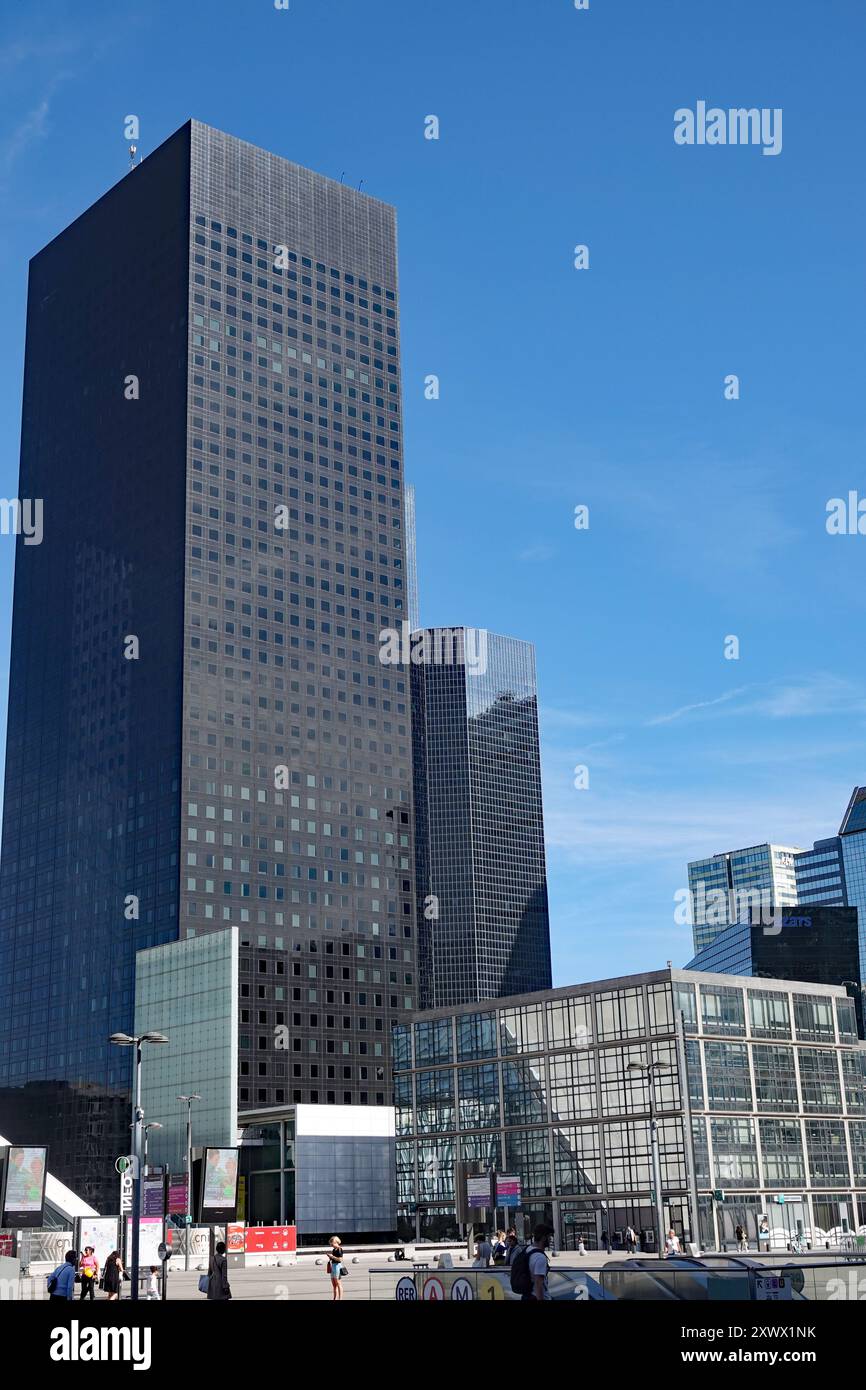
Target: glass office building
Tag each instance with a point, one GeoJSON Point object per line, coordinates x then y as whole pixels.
{"type": "Point", "coordinates": [834, 870]}
{"type": "Point", "coordinates": [816, 943]}
{"type": "Point", "coordinates": [772, 1104]}
{"type": "Point", "coordinates": [481, 878]}
{"type": "Point", "coordinates": [189, 990]}
{"type": "Point", "coordinates": [724, 888]}
{"type": "Point", "coordinates": [201, 734]}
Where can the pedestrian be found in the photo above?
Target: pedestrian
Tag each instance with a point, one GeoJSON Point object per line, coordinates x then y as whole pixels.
{"type": "Point", "coordinates": [218, 1275]}
{"type": "Point", "coordinates": [112, 1276]}
{"type": "Point", "coordinates": [61, 1282]}
{"type": "Point", "coordinates": [530, 1268]}
{"type": "Point", "coordinates": [630, 1240]}
{"type": "Point", "coordinates": [483, 1252]}
{"type": "Point", "coordinates": [581, 1248]}
{"type": "Point", "coordinates": [605, 1242]}
{"type": "Point", "coordinates": [742, 1243]}
{"type": "Point", "coordinates": [153, 1283]}
{"type": "Point", "coordinates": [335, 1267]}
{"type": "Point", "coordinates": [672, 1244]}
{"type": "Point", "coordinates": [88, 1268]}
{"type": "Point", "coordinates": [499, 1250]}
{"type": "Point", "coordinates": [512, 1244]}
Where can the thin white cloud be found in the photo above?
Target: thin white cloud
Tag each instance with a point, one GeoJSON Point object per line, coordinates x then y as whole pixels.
{"type": "Point", "coordinates": [697, 705]}
{"type": "Point", "coordinates": [818, 695]}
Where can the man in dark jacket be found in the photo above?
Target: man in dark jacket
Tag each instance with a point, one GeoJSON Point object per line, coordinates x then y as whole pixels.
{"type": "Point", "coordinates": [218, 1274]}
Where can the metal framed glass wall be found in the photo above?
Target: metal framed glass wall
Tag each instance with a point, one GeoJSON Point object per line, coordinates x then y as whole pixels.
{"type": "Point", "coordinates": [543, 1086]}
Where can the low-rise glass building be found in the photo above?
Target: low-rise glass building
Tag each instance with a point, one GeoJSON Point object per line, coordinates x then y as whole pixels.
{"type": "Point", "coordinates": [771, 1114]}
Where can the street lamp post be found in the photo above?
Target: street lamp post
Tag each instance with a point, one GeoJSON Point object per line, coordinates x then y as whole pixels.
{"type": "Point", "coordinates": [188, 1101]}
{"type": "Point", "coordinates": [651, 1068]}
{"type": "Point", "coordinates": [154, 1124]}
{"type": "Point", "coordinates": [127, 1040]}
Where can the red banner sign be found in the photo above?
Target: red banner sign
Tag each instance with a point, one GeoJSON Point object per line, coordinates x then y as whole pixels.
{"type": "Point", "coordinates": [270, 1240]}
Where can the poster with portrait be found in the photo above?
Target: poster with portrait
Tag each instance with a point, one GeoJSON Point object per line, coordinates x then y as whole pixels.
{"type": "Point", "coordinates": [219, 1185]}
{"type": "Point", "coordinates": [24, 1185]}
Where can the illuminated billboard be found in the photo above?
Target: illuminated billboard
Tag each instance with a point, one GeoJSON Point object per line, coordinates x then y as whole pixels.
{"type": "Point", "coordinates": [24, 1186]}
{"type": "Point", "coordinates": [219, 1185]}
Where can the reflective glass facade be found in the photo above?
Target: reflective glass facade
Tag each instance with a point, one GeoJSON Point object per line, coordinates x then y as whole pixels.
{"type": "Point", "coordinates": [724, 888]}
{"type": "Point", "coordinates": [243, 518]}
{"type": "Point", "coordinates": [92, 790]}
{"type": "Point", "coordinates": [834, 871]}
{"type": "Point", "coordinates": [805, 943]}
{"type": "Point", "coordinates": [541, 1087]}
{"type": "Point", "coordinates": [481, 877]}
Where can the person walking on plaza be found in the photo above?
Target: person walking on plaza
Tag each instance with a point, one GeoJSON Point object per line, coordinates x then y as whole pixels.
{"type": "Point", "coordinates": [112, 1276]}
{"type": "Point", "coordinates": [581, 1248]}
{"type": "Point", "coordinates": [218, 1275]}
{"type": "Point", "coordinates": [61, 1282]}
{"type": "Point", "coordinates": [742, 1243]}
{"type": "Point", "coordinates": [530, 1268]}
{"type": "Point", "coordinates": [89, 1270]}
{"type": "Point", "coordinates": [483, 1252]}
{"type": "Point", "coordinates": [499, 1250]}
{"type": "Point", "coordinates": [630, 1240]}
{"type": "Point", "coordinates": [335, 1267]}
{"type": "Point", "coordinates": [153, 1284]}
{"type": "Point", "coordinates": [672, 1244]}
{"type": "Point", "coordinates": [511, 1245]}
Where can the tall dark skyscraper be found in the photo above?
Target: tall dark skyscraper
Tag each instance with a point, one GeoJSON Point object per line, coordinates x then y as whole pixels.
{"type": "Point", "coordinates": [481, 879]}
{"type": "Point", "coordinates": [201, 734]}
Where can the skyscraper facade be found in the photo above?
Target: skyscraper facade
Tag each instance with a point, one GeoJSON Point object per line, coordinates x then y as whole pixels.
{"type": "Point", "coordinates": [815, 943]}
{"type": "Point", "coordinates": [725, 887]}
{"type": "Point", "coordinates": [834, 871]}
{"type": "Point", "coordinates": [201, 734]}
{"type": "Point", "coordinates": [481, 878]}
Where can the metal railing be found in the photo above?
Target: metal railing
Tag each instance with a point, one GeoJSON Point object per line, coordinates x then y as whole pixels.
{"type": "Point", "coordinates": [717, 1278]}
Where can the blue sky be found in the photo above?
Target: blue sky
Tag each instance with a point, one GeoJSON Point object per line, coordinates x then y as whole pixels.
{"type": "Point", "coordinates": [560, 387]}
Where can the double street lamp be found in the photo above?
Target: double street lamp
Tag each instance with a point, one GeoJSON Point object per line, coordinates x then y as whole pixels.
{"type": "Point", "coordinates": [129, 1040]}
{"type": "Point", "coordinates": [651, 1069]}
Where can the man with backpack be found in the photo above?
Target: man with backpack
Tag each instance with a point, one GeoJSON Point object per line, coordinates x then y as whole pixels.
{"type": "Point", "coordinates": [61, 1283]}
{"type": "Point", "coordinates": [530, 1268]}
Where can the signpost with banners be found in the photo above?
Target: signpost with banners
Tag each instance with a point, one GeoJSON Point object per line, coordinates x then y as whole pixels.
{"type": "Point", "coordinates": [508, 1192]}
{"type": "Point", "coordinates": [478, 1192]}
{"type": "Point", "coordinates": [153, 1195]}
{"type": "Point", "coordinates": [177, 1194]}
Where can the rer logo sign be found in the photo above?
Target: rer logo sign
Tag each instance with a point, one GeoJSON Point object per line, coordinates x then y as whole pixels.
{"type": "Point", "coordinates": [126, 1168]}
{"type": "Point", "coordinates": [406, 1291]}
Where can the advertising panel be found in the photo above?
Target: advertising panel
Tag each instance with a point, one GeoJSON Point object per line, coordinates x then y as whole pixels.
{"type": "Point", "coordinates": [102, 1233]}
{"type": "Point", "coordinates": [24, 1187]}
{"type": "Point", "coordinates": [219, 1185]}
{"type": "Point", "coordinates": [149, 1241]}
{"type": "Point", "coordinates": [270, 1240]}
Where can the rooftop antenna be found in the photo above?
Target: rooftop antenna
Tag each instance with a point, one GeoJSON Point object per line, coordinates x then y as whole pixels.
{"type": "Point", "coordinates": [342, 176]}
{"type": "Point", "coordinates": [359, 186]}
{"type": "Point", "coordinates": [133, 150]}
